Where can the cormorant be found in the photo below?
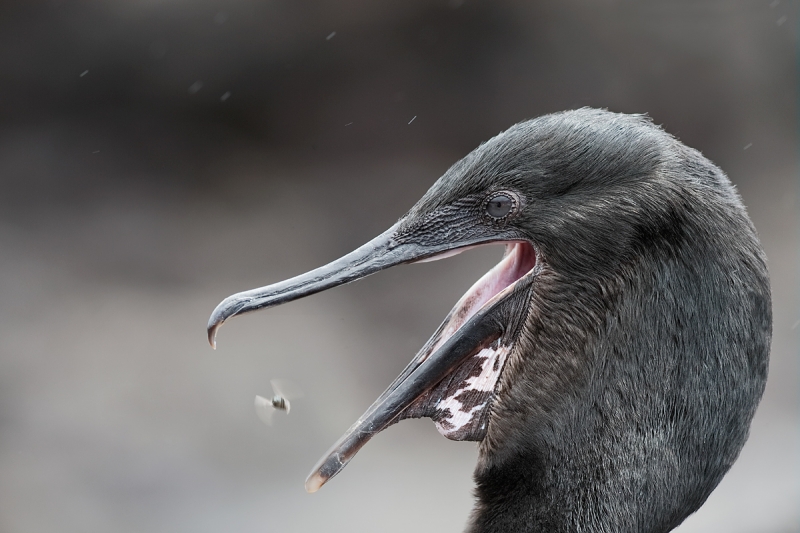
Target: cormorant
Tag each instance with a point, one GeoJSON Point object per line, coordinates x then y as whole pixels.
{"type": "Point", "coordinates": [611, 363]}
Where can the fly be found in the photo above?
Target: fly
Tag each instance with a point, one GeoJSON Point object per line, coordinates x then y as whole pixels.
{"type": "Point", "coordinates": [266, 407]}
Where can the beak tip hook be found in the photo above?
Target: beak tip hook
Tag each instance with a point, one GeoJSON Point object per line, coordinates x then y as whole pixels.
{"type": "Point", "coordinates": [212, 335]}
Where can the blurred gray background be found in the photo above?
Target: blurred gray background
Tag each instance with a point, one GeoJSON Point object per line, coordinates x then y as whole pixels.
{"type": "Point", "coordinates": [157, 156]}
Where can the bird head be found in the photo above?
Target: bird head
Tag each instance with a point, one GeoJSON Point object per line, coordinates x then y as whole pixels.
{"type": "Point", "coordinates": [588, 343]}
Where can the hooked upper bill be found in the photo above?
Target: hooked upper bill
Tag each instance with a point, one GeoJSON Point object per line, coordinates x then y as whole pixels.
{"type": "Point", "coordinates": [454, 377]}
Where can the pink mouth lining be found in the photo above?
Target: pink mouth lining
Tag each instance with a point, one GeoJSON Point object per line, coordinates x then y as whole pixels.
{"type": "Point", "coordinates": [460, 404]}
{"type": "Point", "coordinates": [519, 260]}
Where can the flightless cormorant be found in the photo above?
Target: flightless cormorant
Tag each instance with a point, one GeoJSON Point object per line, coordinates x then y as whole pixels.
{"type": "Point", "coordinates": [611, 363]}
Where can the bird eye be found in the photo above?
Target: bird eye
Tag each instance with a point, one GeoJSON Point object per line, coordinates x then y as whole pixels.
{"type": "Point", "coordinates": [499, 206]}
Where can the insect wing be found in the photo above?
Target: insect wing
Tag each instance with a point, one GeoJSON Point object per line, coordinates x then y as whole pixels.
{"type": "Point", "coordinates": [264, 409]}
{"type": "Point", "coordinates": [286, 389]}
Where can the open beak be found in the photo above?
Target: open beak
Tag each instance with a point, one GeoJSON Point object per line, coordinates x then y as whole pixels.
{"type": "Point", "coordinates": [454, 376]}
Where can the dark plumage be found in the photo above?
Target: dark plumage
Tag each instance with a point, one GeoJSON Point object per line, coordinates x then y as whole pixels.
{"type": "Point", "coordinates": [630, 349]}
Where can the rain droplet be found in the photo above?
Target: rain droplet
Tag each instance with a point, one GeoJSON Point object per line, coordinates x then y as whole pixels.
{"type": "Point", "coordinates": [746, 146]}
{"type": "Point", "coordinates": [196, 86]}
{"type": "Point", "coordinates": [412, 120]}
{"type": "Point", "coordinates": [331, 36]}
{"type": "Point", "coordinates": [84, 73]}
{"type": "Point", "coordinates": [225, 96]}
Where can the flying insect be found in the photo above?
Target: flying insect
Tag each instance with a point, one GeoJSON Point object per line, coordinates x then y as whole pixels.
{"type": "Point", "coordinates": [266, 407]}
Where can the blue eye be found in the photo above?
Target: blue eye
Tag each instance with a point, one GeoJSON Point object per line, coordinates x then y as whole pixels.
{"type": "Point", "coordinates": [499, 205]}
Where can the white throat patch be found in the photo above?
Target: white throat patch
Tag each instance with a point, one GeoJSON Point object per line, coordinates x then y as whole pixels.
{"type": "Point", "coordinates": [464, 411]}
{"type": "Point", "coordinates": [459, 405]}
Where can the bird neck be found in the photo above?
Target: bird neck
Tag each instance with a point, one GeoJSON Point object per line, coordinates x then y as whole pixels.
{"type": "Point", "coordinates": [602, 446]}
{"type": "Point", "coordinates": [586, 447]}
{"type": "Point", "coordinates": [513, 497]}
{"type": "Point", "coordinates": [537, 494]}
